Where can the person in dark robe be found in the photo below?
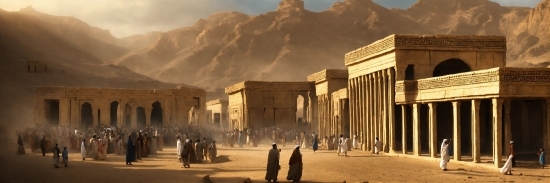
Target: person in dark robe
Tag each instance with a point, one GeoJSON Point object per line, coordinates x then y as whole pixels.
{"type": "Point", "coordinates": [315, 143]}
{"type": "Point", "coordinates": [186, 154]}
{"type": "Point", "coordinates": [273, 166]}
{"type": "Point", "coordinates": [130, 151]}
{"type": "Point", "coordinates": [139, 146]}
{"type": "Point", "coordinates": [43, 145]}
{"type": "Point", "coordinates": [192, 155]}
{"type": "Point", "coordinates": [296, 165]}
{"type": "Point", "coordinates": [20, 147]}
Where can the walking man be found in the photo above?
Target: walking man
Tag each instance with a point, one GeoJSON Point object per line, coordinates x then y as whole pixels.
{"type": "Point", "coordinates": [444, 154]}
{"type": "Point", "coordinates": [273, 166]}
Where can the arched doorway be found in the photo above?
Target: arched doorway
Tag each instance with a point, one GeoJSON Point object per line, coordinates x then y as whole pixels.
{"type": "Point", "coordinates": [140, 115]}
{"type": "Point", "coordinates": [52, 112]}
{"type": "Point", "coordinates": [114, 113]}
{"type": "Point", "coordinates": [86, 117]}
{"type": "Point", "coordinates": [451, 66]}
{"type": "Point", "coordinates": [128, 114]}
{"type": "Point", "coordinates": [156, 115]}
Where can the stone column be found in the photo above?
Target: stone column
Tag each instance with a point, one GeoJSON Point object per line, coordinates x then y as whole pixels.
{"type": "Point", "coordinates": [361, 107]}
{"type": "Point", "coordinates": [476, 135]}
{"type": "Point", "coordinates": [497, 129]}
{"type": "Point", "coordinates": [377, 111]}
{"type": "Point", "coordinates": [75, 113]}
{"type": "Point", "coordinates": [148, 116]}
{"type": "Point", "coordinates": [433, 129]}
{"type": "Point", "coordinates": [507, 121]}
{"type": "Point", "coordinates": [133, 117]}
{"type": "Point", "coordinates": [370, 138]}
{"type": "Point", "coordinates": [351, 88]}
{"type": "Point", "coordinates": [384, 127]}
{"type": "Point", "coordinates": [416, 130]}
{"type": "Point", "coordinates": [404, 128]}
{"type": "Point", "coordinates": [456, 131]}
{"type": "Point", "coordinates": [391, 112]}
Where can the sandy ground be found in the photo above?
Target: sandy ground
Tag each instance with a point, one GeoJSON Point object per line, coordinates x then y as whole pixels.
{"type": "Point", "coordinates": [235, 164]}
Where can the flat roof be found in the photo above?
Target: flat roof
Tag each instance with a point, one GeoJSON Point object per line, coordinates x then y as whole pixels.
{"type": "Point", "coordinates": [270, 85]}
{"type": "Point", "coordinates": [426, 42]}
{"type": "Point", "coordinates": [328, 74]}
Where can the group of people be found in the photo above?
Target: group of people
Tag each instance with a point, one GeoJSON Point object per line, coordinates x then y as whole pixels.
{"type": "Point", "coordinates": [506, 169]}
{"type": "Point", "coordinates": [195, 153]}
{"type": "Point", "coordinates": [295, 164]}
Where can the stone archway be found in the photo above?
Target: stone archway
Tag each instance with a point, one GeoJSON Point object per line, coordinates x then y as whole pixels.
{"type": "Point", "coordinates": [140, 118]}
{"type": "Point", "coordinates": [156, 115]}
{"type": "Point", "coordinates": [114, 113]}
{"type": "Point", "coordinates": [52, 112]}
{"type": "Point", "coordinates": [86, 116]}
{"type": "Point", "coordinates": [451, 66]}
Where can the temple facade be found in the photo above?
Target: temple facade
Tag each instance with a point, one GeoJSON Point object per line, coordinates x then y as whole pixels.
{"type": "Point", "coordinates": [84, 107]}
{"type": "Point", "coordinates": [216, 113]}
{"type": "Point", "coordinates": [259, 104]}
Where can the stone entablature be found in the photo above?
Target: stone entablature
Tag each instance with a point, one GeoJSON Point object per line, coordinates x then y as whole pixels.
{"type": "Point", "coordinates": [490, 83]}
{"type": "Point", "coordinates": [426, 42]}
{"type": "Point", "coordinates": [269, 85]}
{"type": "Point", "coordinates": [328, 74]}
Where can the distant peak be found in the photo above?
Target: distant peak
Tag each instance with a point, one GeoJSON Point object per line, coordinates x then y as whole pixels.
{"type": "Point", "coordinates": [28, 9]}
{"type": "Point", "coordinates": [291, 5]}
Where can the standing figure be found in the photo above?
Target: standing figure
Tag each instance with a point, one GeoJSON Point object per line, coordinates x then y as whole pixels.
{"type": "Point", "coordinates": [273, 166]}
{"type": "Point", "coordinates": [65, 155]}
{"type": "Point", "coordinates": [314, 144]}
{"type": "Point", "coordinates": [296, 166]}
{"type": "Point", "coordinates": [444, 154]}
{"type": "Point", "coordinates": [198, 150]}
{"type": "Point", "coordinates": [130, 153]}
{"type": "Point", "coordinates": [205, 148]}
{"type": "Point", "coordinates": [20, 147]}
{"type": "Point", "coordinates": [179, 148]}
{"type": "Point", "coordinates": [56, 152]}
{"type": "Point", "coordinates": [377, 146]}
{"type": "Point", "coordinates": [83, 149]}
{"type": "Point", "coordinates": [43, 145]}
{"type": "Point", "coordinates": [507, 168]}
{"type": "Point", "coordinates": [340, 141]}
{"type": "Point", "coordinates": [213, 151]}
{"type": "Point", "coordinates": [542, 159]}
{"type": "Point", "coordinates": [344, 147]}
{"type": "Point", "coordinates": [186, 154]}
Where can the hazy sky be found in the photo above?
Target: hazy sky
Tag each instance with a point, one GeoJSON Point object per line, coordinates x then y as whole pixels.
{"type": "Point", "coordinates": [128, 17]}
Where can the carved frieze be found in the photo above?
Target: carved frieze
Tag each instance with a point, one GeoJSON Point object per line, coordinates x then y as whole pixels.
{"type": "Point", "coordinates": [437, 42]}
{"type": "Point", "coordinates": [486, 76]}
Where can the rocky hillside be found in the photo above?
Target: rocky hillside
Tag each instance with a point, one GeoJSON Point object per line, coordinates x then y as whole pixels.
{"type": "Point", "coordinates": [286, 44]}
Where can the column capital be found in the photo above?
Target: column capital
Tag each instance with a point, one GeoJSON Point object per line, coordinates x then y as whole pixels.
{"type": "Point", "coordinates": [456, 103]}
{"type": "Point", "coordinates": [476, 103]}
{"type": "Point", "coordinates": [432, 104]}
{"type": "Point", "coordinates": [498, 101]}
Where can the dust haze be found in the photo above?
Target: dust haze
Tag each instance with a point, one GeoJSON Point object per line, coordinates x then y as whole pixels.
{"type": "Point", "coordinates": [212, 44]}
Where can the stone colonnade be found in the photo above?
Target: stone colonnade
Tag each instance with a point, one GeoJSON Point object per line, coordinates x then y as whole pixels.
{"type": "Point", "coordinates": [372, 108]}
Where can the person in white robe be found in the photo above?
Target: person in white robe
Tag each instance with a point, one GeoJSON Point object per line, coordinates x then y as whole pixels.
{"type": "Point", "coordinates": [444, 154]}
{"type": "Point", "coordinates": [377, 146]}
{"type": "Point", "coordinates": [344, 147]}
{"type": "Point", "coordinates": [507, 168]}
{"type": "Point", "coordinates": [339, 148]}
{"type": "Point", "coordinates": [83, 149]}
{"type": "Point", "coordinates": [178, 147]}
{"type": "Point", "coordinates": [56, 152]}
{"type": "Point", "coordinates": [120, 145]}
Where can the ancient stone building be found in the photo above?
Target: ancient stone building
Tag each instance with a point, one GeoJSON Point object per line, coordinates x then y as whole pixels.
{"type": "Point", "coordinates": [414, 91]}
{"type": "Point", "coordinates": [216, 113]}
{"type": "Point", "coordinates": [332, 102]}
{"type": "Point", "coordinates": [257, 104]}
{"type": "Point", "coordinates": [79, 107]}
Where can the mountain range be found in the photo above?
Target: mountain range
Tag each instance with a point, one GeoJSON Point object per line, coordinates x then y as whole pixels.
{"type": "Point", "coordinates": [288, 43]}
